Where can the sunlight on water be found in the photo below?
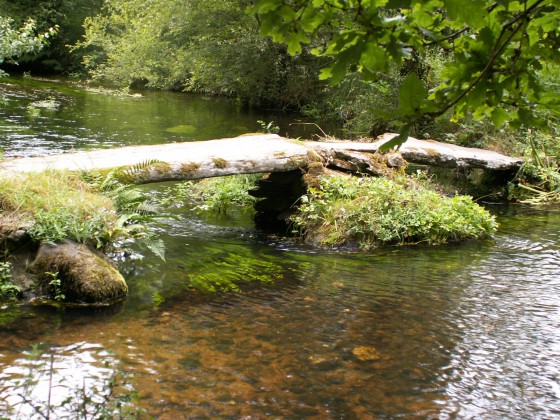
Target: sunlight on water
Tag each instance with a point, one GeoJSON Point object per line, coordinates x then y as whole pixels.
{"type": "Point", "coordinates": [100, 118]}
{"type": "Point", "coordinates": [75, 381]}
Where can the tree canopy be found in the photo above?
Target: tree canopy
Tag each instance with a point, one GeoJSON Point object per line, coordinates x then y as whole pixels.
{"type": "Point", "coordinates": [499, 51]}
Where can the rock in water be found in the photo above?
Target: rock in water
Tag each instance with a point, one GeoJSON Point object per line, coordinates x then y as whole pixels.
{"type": "Point", "coordinates": [85, 275]}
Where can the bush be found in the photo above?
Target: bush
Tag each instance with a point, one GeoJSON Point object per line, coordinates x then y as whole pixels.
{"type": "Point", "coordinates": [209, 47]}
{"type": "Point", "coordinates": [370, 212]}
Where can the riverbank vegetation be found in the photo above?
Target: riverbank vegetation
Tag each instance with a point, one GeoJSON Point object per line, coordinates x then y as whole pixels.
{"type": "Point", "coordinates": [447, 73]}
{"type": "Point", "coordinates": [484, 86]}
{"type": "Point", "coordinates": [371, 212]}
{"type": "Point", "coordinates": [364, 213]}
{"type": "Point", "coordinates": [86, 208]}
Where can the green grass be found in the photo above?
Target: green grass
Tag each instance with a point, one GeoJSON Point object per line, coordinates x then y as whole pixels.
{"type": "Point", "coordinates": [88, 208]}
{"type": "Point", "coordinates": [57, 205]}
{"type": "Point", "coordinates": [370, 212]}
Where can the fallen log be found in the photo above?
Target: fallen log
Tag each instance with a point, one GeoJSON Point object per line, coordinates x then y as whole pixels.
{"type": "Point", "coordinates": [254, 154]}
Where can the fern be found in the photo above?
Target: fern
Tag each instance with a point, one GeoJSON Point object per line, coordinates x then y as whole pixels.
{"type": "Point", "coordinates": [133, 173]}
{"type": "Point", "coordinates": [138, 211]}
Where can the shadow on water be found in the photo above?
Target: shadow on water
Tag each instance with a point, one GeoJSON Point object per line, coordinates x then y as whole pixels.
{"type": "Point", "coordinates": [459, 331]}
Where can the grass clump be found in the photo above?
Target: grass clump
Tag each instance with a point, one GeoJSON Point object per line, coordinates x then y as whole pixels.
{"type": "Point", "coordinates": [370, 212]}
{"type": "Point", "coordinates": [538, 180]}
{"type": "Point", "coordinates": [88, 208]}
{"type": "Point", "coordinates": [57, 206]}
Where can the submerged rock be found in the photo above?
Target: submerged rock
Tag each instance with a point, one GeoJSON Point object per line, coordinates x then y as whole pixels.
{"type": "Point", "coordinates": [46, 104]}
{"type": "Point", "coordinates": [85, 275]}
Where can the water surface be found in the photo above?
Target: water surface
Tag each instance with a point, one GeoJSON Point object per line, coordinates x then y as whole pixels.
{"type": "Point", "coordinates": [462, 331]}
{"type": "Point", "coordinates": [81, 118]}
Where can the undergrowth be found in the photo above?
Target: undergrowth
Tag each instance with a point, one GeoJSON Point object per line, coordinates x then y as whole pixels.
{"type": "Point", "coordinates": [8, 290]}
{"type": "Point", "coordinates": [538, 180]}
{"type": "Point", "coordinates": [57, 205]}
{"type": "Point", "coordinates": [370, 212]}
{"type": "Point", "coordinates": [90, 208]}
{"type": "Point", "coordinates": [218, 195]}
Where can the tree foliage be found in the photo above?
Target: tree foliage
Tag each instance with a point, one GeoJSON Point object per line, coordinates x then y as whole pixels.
{"type": "Point", "coordinates": [17, 41]}
{"type": "Point", "coordinates": [212, 47]}
{"type": "Point", "coordinates": [66, 15]}
{"type": "Point", "coordinates": [499, 51]}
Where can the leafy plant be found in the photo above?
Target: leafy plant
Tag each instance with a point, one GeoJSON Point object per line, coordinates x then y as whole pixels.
{"type": "Point", "coordinates": [7, 288]}
{"type": "Point", "coordinates": [138, 211]}
{"type": "Point", "coordinates": [66, 224]}
{"type": "Point", "coordinates": [56, 285]}
{"type": "Point", "coordinates": [269, 127]}
{"type": "Point", "coordinates": [218, 195]}
{"type": "Point", "coordinates": [371, 212]}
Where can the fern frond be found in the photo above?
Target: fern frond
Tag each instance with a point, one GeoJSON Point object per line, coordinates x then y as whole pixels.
{"type": "Point", "coordinates": [132, 173]}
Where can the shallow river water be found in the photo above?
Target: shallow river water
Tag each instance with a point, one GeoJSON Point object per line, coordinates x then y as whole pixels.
{"type": "Point", "coordinates": [462, 331]}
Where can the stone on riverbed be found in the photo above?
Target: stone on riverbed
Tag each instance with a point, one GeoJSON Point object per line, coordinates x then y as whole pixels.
{"type": "Point", "coordinates": [85, 276]}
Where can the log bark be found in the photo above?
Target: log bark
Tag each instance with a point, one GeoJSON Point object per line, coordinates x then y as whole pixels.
{"type": "Point", "coordinates": [430, 152]}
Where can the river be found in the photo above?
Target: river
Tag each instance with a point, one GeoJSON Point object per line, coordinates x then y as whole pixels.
{"type": "Point", "coordinates": [461, 331]}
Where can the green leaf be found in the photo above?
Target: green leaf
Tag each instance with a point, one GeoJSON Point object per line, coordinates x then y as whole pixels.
{"type": "Point", "coordinates": [472, 12]}
{"type": "Point", "coordinates": [412, 94]}
{"type": "Point", "coordinates": [295, 40]}
{"type": "Point", "coordinates": [374, 58]}
{"type": "Point", "coordinates": [499, 116]}
{"type": "Point", "coordinates": [397, 141]}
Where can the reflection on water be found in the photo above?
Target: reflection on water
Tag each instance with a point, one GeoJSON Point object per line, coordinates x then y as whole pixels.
{"type": "Point", "coordinates": [464, 331]}
{"type": "Point", "coordinates": [86, 119]}
{"type": "Point", "coordinates": [76, 381]}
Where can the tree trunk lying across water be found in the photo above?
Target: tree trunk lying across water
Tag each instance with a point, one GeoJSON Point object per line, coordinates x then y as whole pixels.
{"type": "Point", "coordinates": [250, 154]}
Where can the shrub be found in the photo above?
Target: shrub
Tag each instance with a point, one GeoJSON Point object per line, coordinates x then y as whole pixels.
{"type": "Point", "coordinates": [8, 289]}
{"type": "Point", "coordinates": [370, 212]}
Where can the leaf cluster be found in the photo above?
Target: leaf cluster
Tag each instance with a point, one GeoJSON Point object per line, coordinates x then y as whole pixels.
{"type": "Point", "coordinates": [15, 42]}
{"type": "Point", "coordinates": [498, 50]}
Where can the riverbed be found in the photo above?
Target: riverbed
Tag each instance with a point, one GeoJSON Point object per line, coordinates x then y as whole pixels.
{"type": "Point", "coordinates": [469, 330]}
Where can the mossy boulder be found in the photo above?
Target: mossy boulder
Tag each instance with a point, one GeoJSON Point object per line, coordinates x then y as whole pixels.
{"type": "Point", "coordinates": [85, 275]}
